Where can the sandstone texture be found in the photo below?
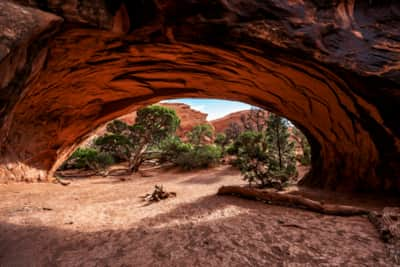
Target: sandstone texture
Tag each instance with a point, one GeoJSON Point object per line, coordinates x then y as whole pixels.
{"type": "Point", "coordinates": [332, 67]}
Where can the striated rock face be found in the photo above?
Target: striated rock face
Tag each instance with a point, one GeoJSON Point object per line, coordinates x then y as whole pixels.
{"type": "Point", "coordinates": [331, 67]}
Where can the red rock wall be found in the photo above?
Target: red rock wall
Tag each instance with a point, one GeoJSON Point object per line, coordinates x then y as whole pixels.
{"type": "Point", "coordinates": [331, 67]}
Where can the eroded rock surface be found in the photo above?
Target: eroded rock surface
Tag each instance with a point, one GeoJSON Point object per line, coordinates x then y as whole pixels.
{"type": "Point", "coordinates": [331, 67]}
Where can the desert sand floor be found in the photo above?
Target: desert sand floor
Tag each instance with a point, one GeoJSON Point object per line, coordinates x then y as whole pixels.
{"type": "Point", "coordinates": [103, 222]}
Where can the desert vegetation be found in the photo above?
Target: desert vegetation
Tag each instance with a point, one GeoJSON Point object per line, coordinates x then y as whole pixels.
{"type": "Point", "coordinates": [261, 145]}
{"type": "Point", "coordinates": [264, 153]}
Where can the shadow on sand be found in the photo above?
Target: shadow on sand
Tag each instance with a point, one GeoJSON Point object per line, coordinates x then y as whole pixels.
{"type": "Point", "coordinates": [211, 231]}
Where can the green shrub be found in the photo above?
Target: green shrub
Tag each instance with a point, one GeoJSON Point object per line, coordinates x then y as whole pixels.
{"type": "Point", "coordinates": [305, 159]}
{"type": "Point", "coordinates": [90, 159]}
{"type": "Point", "coordinates": [117, 145]}
{"type": "Point", "coordinates": [172, 147]}
{"type": "Point", "coordinates": [199, 157]}
{"type": "Point", "coordinates": [104, 159]}
{"type": "Point", "coordinates": [199, 134]}
{"type": "Point", "coordinates": [222, 141]}
{"type": "Point", "coordinates": [259, 160]}
{"type": "Point", "coordinates": [207, 155]}
{"type": "Point", "coordinates": [135, 143]}
{"type": "Point", "coordinates": [80, 158]}
{"type": "Point", "coordinates": [232, 149]}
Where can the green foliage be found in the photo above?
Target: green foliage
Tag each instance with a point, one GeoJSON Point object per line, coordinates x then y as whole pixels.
{"type": "Point", "coordinates": [199, 157]}
{"type": "Point", "coordinates": [102, 161]}
{"type": "Point", "coordinates": [117, 145]}
{"type": "Point", "coordinates": [281, 150]}
{"type": "Point", "coordinates": [222, 141]}
{"type": "Point", "coordinates": [256, 120]}
{"type": "Point", "coordinates": [305, 158]}
{"type": "Point", "coordinates": [252, 157]}
{"type": "Point", "coordinates": [152, 125]}
{"type": "Point", "coordinates": [128, 143]}
{"type": "Point", "coordinates": [265, 157]}
{"type": "Point", "coordinates": [191, 155]}
{"type": "Point", "coordinates": [172, 147]}
{"type": "Point", "coordinates": [117, 127]}
{"type": "Point", "coordinates": [79, 159]}
{"type": "Point", "coordinates": [89, 158]}
{"type": "Point", "coordinates": [206, 156]}
{"type": "Point", "coordinates": [195, 154]}
{"type": "Point", "coordinates": [199, 133]}
{"type": "Point", "coordinates": [231, 149]}
{"type": "Point", "coordinates": [155, 123]}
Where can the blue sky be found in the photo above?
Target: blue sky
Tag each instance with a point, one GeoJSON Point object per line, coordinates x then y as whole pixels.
{"type": "Point", "coordinates": [215, 108]}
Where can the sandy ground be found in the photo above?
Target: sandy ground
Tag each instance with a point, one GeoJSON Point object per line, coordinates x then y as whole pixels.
{"type": "Point", "coordinates": [103, 222]}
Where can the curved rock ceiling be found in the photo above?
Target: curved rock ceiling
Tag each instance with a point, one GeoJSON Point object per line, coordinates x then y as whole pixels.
{"type": "Point", "coordinates": [331, 67]}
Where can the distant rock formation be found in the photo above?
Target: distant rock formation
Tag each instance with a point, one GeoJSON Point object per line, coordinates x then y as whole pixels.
{"type": "Point", "coordinates": [221, 124]}
{"type": "Point", "coordinates": [189, 118]}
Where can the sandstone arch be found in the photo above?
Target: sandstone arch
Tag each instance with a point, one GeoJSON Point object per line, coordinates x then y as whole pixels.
{"type": "Point", "coordinates": [331, 67]}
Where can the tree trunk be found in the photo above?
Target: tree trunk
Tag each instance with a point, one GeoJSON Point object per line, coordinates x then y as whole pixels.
{"type": "Point", "coordinates": [137, 159]}
{"type": "Point", "coordinates": [279, 147]}
{"type": "Point", "coordinates": [292, 200]}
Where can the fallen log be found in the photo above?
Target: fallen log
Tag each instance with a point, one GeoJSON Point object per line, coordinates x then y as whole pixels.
{"type": "Point", "coordinates": [292, 201]}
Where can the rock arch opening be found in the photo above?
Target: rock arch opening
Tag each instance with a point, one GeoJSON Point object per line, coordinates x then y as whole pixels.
{"type": "Point", "coordinates": [209, 134]}
{"type": "Point", "coordinates": [78, 77]}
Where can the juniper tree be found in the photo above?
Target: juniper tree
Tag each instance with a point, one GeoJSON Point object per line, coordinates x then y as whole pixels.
{"type": "Point", "coordinates": [305, 158]}
{"type": "Point", "coordinates": [233, 131]}
{"type": "Point", "coordinates": [152, 125]}
{"type": "Point", "coordinates": [255, 120]}
{"type": "Point", "coordinates": [200, 133]}
{"type": "Point", "coordinates": [280, 149]}
{"type": "Point", "coordinates": [266, 157]}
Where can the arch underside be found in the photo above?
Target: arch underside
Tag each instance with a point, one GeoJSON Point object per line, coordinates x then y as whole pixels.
{"type": "Point", "coordinates": [94, 77]}
{"type": "Point", "coordinates": [81, 78]}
